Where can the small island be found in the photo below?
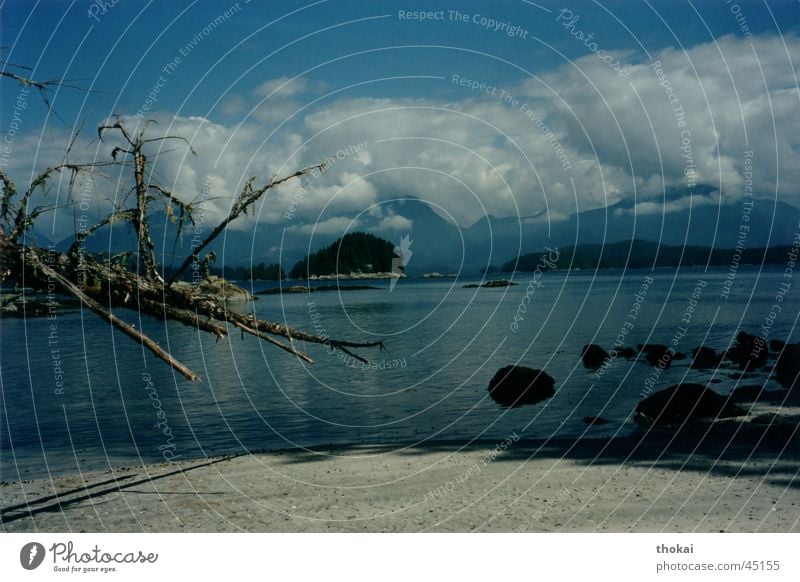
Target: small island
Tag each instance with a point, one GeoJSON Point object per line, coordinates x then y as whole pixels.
{"type": "Point", "coordinates": [490, 284]}
{"type": "Point", "coordinates": [357, 255]}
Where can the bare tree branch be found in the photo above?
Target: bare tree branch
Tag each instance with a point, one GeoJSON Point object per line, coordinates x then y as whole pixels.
{"type": "Point", "coordinates": [113, 283]}
{"type": "Point", "coordinates": [245, 200]}
{"type": "Point", "coordinates": [69, 287]}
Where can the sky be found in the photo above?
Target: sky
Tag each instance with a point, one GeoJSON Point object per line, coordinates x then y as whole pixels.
{"type": "Point", "coordinates": [503, 108]}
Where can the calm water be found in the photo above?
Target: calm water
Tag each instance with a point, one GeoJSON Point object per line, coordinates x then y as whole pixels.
{"type": "Point", "coordinates": [444, 344]}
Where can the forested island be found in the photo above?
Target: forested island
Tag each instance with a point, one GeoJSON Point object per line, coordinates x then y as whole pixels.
{"type": "Point", "coordinates": [354, 253]}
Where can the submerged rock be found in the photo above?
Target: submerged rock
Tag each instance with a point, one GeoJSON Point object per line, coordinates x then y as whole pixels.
{"type": "Point", "coordinates": [593, 356]}
{"type": "Point", "coordinates": [685, 402]}
{"type": "Point", "coordinates": [517, 385]}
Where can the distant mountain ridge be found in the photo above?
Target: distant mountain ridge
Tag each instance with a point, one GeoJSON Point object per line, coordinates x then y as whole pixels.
{"type": "Point", "coordinates": [441, 245]}
{"type": "Point", "coordinates": [636, 254]}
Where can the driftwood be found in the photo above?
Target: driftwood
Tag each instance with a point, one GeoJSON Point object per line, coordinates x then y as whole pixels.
{"type": "Point", "coordinates": [102, 285]}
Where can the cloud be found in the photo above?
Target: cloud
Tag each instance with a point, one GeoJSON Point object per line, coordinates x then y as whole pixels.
{"type": "Point", "coordinates": [651, 207]}
{"type": "Point", "coordinates": [395, 222]}
{"type": "Point", "coordinates": [580, 137]}
{"type": "Point", "coordinates": [282, 87]}
{"type": "Point", "coordinates": [232, 105]}
{"type": "Point", "coordinates": [702, 108]}
{"type": "Point", "coordinates": [337, 225]}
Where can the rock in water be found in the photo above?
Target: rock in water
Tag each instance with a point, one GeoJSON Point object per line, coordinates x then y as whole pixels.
{"type": "Point", "coordinates": [595, 420]}
{"type": "Point", "coordinates": [787, 368]}
{"type": "Point", "coordinates": [704, 358]}
{"type": "Point", "coordinates": [657, 354]}
{"type": "Point", "coordinates": [491, 284]}
{"type": "Point", "coordinates": [593, 356]}
{"type": "Point", "coordinates": [518, 385]}
{"type": "Point", "coordinates": [683, 402]}
{"type": "Point", "coordinates": [776, 345]}
{"type": "Point", "coordinates": [749, 352]}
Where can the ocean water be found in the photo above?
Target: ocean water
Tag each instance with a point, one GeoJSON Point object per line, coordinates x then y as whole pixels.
{"type": "Point", "coordinates": [78, 395]}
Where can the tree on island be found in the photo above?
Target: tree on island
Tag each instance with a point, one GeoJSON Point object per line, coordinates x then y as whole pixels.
{"type": "Point", "coordinates": [103, 283]}
{"type": "Point", "coordinates": [356, 252]}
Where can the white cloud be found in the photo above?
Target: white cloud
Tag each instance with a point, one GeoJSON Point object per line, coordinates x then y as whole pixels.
{"type": "Point", "coordinates": [395, 222]}
{"type": "Point", "coordinates": [650, 207]}
{"type": "Point", "coordinates": [282, 87]}
{"type": "Point", "coordinates": [478, 155]}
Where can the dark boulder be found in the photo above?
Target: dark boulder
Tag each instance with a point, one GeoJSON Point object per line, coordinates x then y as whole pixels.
{"type": "Point", "coordinates": [749, 352]}
{"type": "Point", "coordinates": [787, 368]}
{"type": "Point", "coordinates": [595, 420]}
{"type": "Point", "coordinates": [627, 353]}
{"type": "Point", "coordinates": [593, 356]}
{"type": "Point", "coordinates": [704, 358]}
{"type": "Point", "coordinates": [518, 385]}
{"type": "Point", "coordinates": [749, 393]}
{"type": "Point", "coordinates": [685, 402]}
{"type": "Point", "coordinates": [656, 354]}
{"type": "Point", "coordinates": [776, 345]}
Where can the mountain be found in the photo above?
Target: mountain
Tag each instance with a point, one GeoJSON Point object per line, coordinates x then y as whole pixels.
{"type": "Point", "coordinates": [770, 224]}
{"type": "Point", "coordinates": [643, 254]}
{"type": "Point", "coordinates": [439, 244]}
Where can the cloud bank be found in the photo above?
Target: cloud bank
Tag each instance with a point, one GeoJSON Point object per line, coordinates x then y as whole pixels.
{"type": "Point", "coordinates": [577, 138]}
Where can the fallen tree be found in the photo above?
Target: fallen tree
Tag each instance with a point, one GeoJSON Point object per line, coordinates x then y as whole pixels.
{"type": "Point", "coordinates": [103, 284]}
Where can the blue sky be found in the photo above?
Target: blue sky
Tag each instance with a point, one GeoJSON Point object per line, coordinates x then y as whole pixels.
{"type": "Point", "coordinates": [274, 85]}
{"type": "Point", "coordinates": [120, 51]}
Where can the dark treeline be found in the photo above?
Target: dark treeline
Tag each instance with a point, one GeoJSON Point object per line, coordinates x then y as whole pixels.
{"type": "Point", "coordinates": [353, 253]}
{"type": "Point", "coordinates": [259, 272]}
{"type": "Point", "coordinates": [645, 254]}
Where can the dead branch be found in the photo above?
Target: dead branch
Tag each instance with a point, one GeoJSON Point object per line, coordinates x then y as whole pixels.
{"type": "Point", "coordinates": [141, 219]}
{"type": "Point", "coordinates": [273, 341]}
{"type": "Point", "coordinates": [35, 263]}
{"type": "Point", "coordinates": [245, 200]}
{"type": "Point", "coordinates": [107, 283]}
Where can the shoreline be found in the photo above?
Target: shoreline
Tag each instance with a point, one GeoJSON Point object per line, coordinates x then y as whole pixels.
{"type": "Point", "coordinates": [725, 476]}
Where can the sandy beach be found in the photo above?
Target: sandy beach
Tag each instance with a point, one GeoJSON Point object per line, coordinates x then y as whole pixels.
{"type": "Point", "coordinates": [725, 477]}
